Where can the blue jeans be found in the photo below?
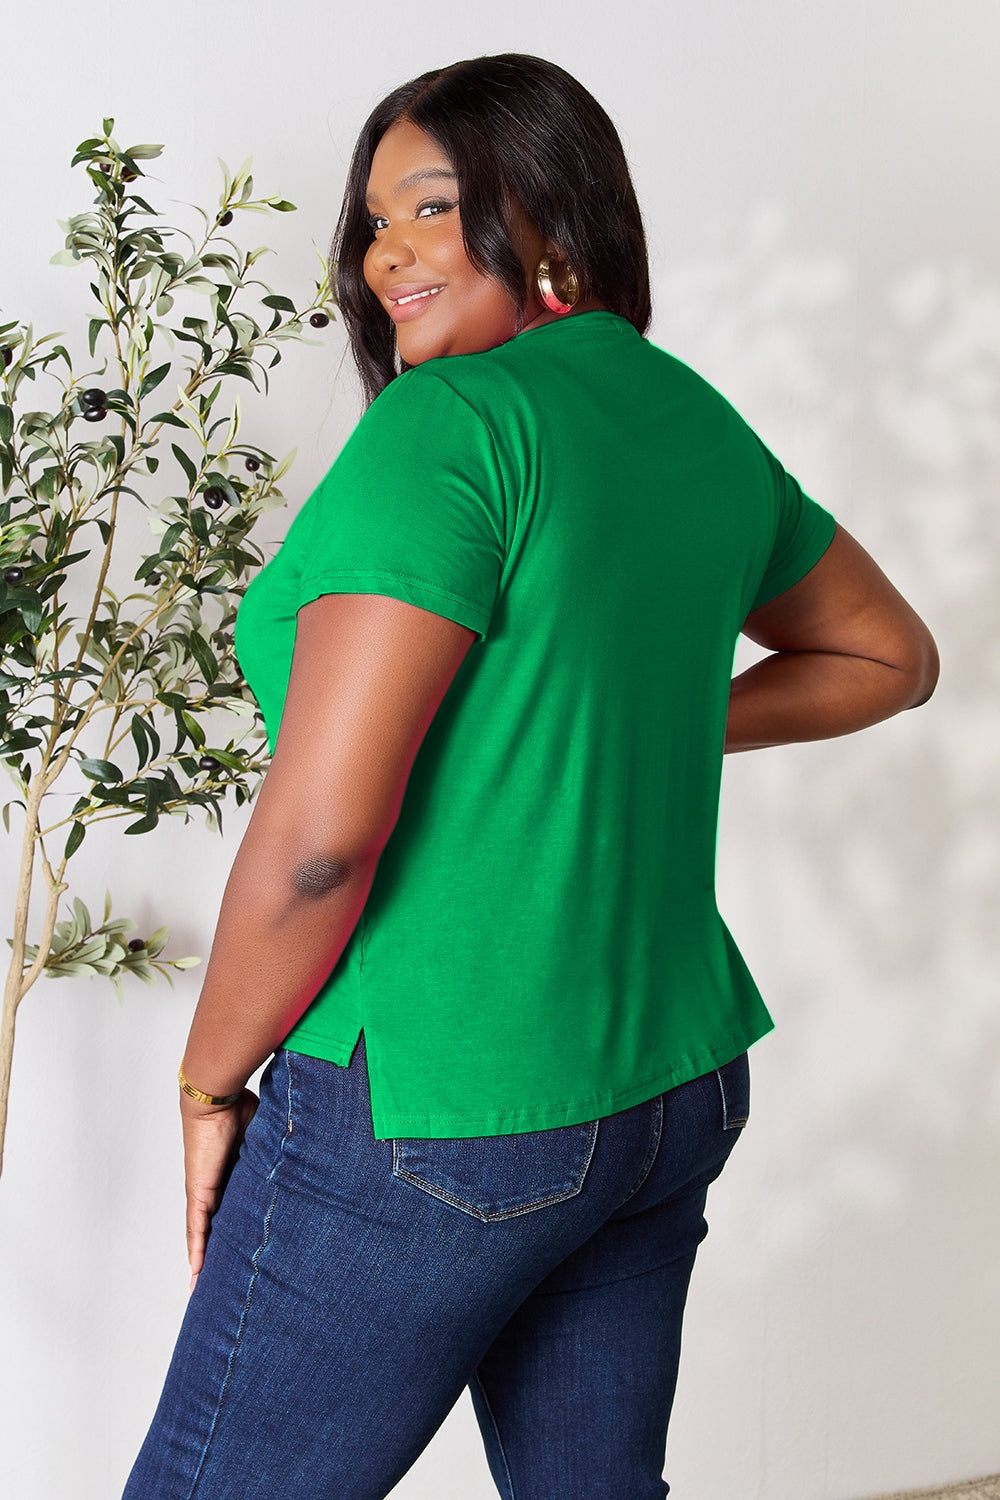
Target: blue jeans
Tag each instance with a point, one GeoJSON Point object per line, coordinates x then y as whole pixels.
{"type": "Point", "coordinates": [353, 1288]}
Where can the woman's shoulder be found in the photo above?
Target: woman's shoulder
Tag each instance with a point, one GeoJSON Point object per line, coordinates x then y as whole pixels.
{"type": "Point", "coordinates": [447, 390]}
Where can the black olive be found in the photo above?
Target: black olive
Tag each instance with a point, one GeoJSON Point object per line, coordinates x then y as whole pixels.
{"type": "Point", "coordinates": [136, 945]}
{"type": "Point", "coordinates": [6, 355]}
{"type": "Point", "coordinates": [227, 217]}
{"type": "Point", "coordinates": [208, 763]}
{"type": "Point", "coordinates": [251, 465]}
{"type": "Point", "coordinates": [153, 578]}
{"type": "Point", "coordinates": [105, 167]}
{"type": "Point", "coordinates": [94, 397]}
{"type": "Point", "coordinates": [129, 176]}
{"type": "Point", "coordinates": [319, 320]}
{"type": "Point", "coordinates": [13, 575]}
{"type": "Point", "coordinates": [94, 413]}
{"type": "Point", "coordinates": [215, 498]}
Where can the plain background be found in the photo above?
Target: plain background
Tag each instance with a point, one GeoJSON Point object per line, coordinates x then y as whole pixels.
{"type": "Point", "coordinates": [819, 183]}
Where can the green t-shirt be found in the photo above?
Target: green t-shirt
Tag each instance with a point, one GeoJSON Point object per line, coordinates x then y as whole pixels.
{"type": "Point", "coordinates": [541, 944]}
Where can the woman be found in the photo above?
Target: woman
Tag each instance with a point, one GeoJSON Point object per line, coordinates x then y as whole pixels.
{"type": "Point", "coordinates": [473, 915]}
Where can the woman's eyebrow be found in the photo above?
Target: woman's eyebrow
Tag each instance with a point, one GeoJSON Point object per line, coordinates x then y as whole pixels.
{"type": "Point", "coordinates": [413, 179]}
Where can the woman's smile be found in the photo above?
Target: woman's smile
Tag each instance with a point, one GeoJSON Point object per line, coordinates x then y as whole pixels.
{"type": "Point", "coordinates": [402, 309]}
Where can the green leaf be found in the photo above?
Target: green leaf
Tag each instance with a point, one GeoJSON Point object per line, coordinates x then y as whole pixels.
{"type": "Point", "coordinates": [170, 536]}
{"type": "Point", "coordinates": [47, 483]}
{"type": "Point", "coordinates": [120, 924]}
{"type": "Point", "coordinates": [145, 824]}
{"type": "Point", "coordinates": [185, 963]}
{"type": "Point", "coordinates": [31, 613]}
{"type": "Point", "coordinates": [282, 206]}
{"type": "Point", "coordinates": [6, 812]}
{"type": "Point", "coordinates": [107, 125]}
{"type": "Point", "coordinates": [227, 758]}
{"type": "Point", "coordinates": [232, 367]}
{"type": "Point", "coordinates": [207, 664]}
{"type": "Point", "coordinates": [147, 566]}
{"type": "Point", "coordinates": [194, 729]}
{"type": "Point", "coordinates": [283, 304]}
{"type": "Point", "coordinates": [152, 380]}
{"type": "Point", "coordinates": [199, 525]}
{"type": "Point", "coordinates": [141, 738]}
{"type": "Point", "coordinates": [185, 463]}
{"type": "Point", "coordinates": [154, 738]}
{"type": "Point", "coordinates": [75, 839]}
{"type": "Point", "coordinates": [123, 489]}
{"type": "Point", "coordinates": [100, 770]}
{"type": "Point", "coordinates": [152, 464]}
{"type": "Point", "coordinates": [12, 745]}
{"type": "Point", "coordinates": [143, 152]}
{"type": "Point", "coordinates": [207, 402]}
{"type": "Point", "coordinates": [6, 424]}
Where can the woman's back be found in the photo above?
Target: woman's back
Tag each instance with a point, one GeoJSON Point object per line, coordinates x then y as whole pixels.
{"type": "Point", "coordinates": [541, 944]}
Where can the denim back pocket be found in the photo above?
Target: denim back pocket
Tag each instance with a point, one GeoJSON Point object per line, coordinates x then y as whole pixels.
{"type": "Point", "coordinates": [499, 1176]}
{"type": "Point", "coordinates": [734, 1086]}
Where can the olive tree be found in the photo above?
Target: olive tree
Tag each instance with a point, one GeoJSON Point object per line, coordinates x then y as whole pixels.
{"type": "Point", "coordinates": [120, 693]}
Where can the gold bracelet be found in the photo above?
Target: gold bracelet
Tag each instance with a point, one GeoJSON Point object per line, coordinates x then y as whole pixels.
{"type": "Point", "coordinates": [197, 1094]}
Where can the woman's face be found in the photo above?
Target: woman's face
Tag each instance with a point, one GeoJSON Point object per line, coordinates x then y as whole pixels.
{"type": "Point", "coordinates": [417, 244]}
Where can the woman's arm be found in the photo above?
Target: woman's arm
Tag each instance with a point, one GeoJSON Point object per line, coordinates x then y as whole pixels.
{"type": "Point", "coordinates": [848, 652]}
{"type": "Point", "coordinates": [368, 675]}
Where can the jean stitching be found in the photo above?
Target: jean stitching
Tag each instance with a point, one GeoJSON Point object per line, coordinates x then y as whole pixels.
{"type": "Point", "coordinates": [250, 1288]}
{"type": "Point", "coordinates": [496, 1433]}
{"type": "Point", "coordinates": [647, 1165]}
{"type": "Point", "coordinates": [729, 1122]}
{"type": "Point", "coordinates": [443, 1194]}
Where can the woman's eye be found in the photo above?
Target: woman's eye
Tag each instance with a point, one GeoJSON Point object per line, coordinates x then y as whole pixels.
{"type": "Point", "coordinates": [374, 220]}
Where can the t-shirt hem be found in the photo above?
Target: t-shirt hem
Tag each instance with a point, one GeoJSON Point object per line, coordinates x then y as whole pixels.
{"type": "Point", "coordinates": [402, 586]}
{"type": "Point", "coordinates": [312, 1045]}
{"type": "Point", "coordinates": [389, 1125]}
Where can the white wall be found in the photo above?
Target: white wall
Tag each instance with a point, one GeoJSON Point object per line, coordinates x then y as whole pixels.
{"type": "Point", "coordinates": [819, 185]}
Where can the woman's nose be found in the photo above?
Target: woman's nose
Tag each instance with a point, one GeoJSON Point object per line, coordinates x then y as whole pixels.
{"type": "Point", "coordinates": [393, 249]}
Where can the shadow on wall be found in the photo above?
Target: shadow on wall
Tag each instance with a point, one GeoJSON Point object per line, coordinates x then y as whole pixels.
{"type": "Point", "coordinates": [860, 878]}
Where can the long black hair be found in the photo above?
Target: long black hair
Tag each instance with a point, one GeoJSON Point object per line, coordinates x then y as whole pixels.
{"type": "Point", "coordinates": [516, 129]}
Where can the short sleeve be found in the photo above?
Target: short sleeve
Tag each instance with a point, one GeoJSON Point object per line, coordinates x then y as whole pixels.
{"type": "Point", "coordinates": [413, 507]}
{"type": "Point", "coordinates": [804, 530]}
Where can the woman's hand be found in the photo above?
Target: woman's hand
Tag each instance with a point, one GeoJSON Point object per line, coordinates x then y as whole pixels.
{"type": "Point", "coordinates": [212, 1139]}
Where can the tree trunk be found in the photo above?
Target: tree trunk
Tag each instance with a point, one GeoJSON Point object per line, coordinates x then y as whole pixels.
{"type": "Point", "coordinates": [15, 987]}
{"type": "Point", "coordinates": [11, 1000]}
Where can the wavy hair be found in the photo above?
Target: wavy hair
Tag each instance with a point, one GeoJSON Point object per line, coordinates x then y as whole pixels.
{"type": "Point", "coordinates": [516, 129]}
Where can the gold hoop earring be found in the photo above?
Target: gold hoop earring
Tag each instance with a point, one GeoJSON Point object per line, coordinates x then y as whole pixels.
{"type": "Point", "coordinates": [566, 298]}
